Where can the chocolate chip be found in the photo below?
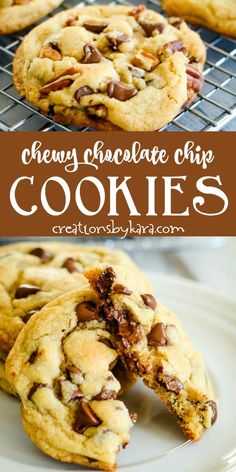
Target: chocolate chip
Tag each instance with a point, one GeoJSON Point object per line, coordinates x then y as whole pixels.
{"type": "Point", "coordinates": [149, 300]}
{"type": "Point", "coordinates": [58, 85]}
{"type": "Point", "coordinates": [70, 265]}
{"type": "Point", "coordinates": [95, 27]}
{"type": "Point", "coordinates": [129, 331]}
{"type": "Point", "coordinates": [175, 46]}
{"type": "Point", "coordinates": [30, 313]}
{"type": "Point", "coordinates": [81, 92]}
{"type": "Point", "coordinates": [119, 91]}
{"type": "Point", "coordinates": [54, 45]}
{"type": "Point", "coordinates": [85, 418]}
{"type": "Point", "coordinates": [72, 21]}
{"type": "Point", "coordinates": [107, 342]}
{"type": "Point", "coordinates": [193, 60]}
{"type": "Point", "coordinates": [74, 370]}
{"type": "Point", "coordinates": [34, 388]}
{"type": "Point", "coordinates": [150, 27]}
{"type": "Point", "coordinates": [176, 22]}
{"type": "Point", "coordinates": [116, 41]}
{"type": "Point", "coordinates": [42, 254]}
{"type": "Point", "coordinates": [91, 55]}
{"type": "Point", "coordinates": [24, 291]}
{"type": "Point", "coordinates": [104, 282]}
{"type": "Point", "coordinates": [133, 417]}
{"type": "Point", "coordinates": [106, 394]}
{"type": "Point", "coordinates": [213, 406]}
{"type": "Point", "coordinates": [120, 289]}
{"type": "Point", "coordinates": [157, 336]}
{"type": "Point", "coordinates": [33, 356]}
{"type": "Point", "coordinates": [86, 311]}
{"type": "Point", "coordinates": [77, 395]}
{"type": "Point", "coordinates": [172, 384]}
{"type": "Point", "coordinates": [137, 11]}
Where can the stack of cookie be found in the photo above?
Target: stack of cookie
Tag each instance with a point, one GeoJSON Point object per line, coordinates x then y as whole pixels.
{"type": "Point", "coordinates": [82, 325]}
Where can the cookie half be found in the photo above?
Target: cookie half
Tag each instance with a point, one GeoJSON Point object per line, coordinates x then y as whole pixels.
{"type": "Point", "coordinates": [217, 15]}
{"type": "Point", "coordinates": [16, 15]}
{"type": "Point", "coordinates": [111, 68]}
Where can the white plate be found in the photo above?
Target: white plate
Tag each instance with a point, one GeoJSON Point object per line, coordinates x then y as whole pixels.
{"type": "Point", "coordinates": [157, 443]}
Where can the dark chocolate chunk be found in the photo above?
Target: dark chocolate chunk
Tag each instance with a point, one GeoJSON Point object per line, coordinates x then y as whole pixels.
{"type": "Point", "coordinates": [70, 265]}
{"type": "Point", "coordinates": [86, 311]}
{"type": "Point", "coordinates": [95, 27]}
{"type": "Point", "coordinates": [85, 418]}
{"type": "Point", "coordinates": [77, 395]}
{"type": "Point", "coordinates": [105, 394]}
{"type": "Point", "coordinates": [149, 300]}
{"type": "Point", "coordinates": [25, 290]}
{"type": "Point", "coordinates": [81, 92]}
{"type": "Point", "coordinates": [172, 384]}
{"type": "Point", "coordinates": [107, 342]}
{"type": "Point", "coordinates": [176, 22]}
{"type": "Point", "coordinates": [33, 356]}
{"type": "Point", "coordinates": [119, 91]}
{"type": "Point", "coordinates": [157, 336]}
{"type": "Point", "coordinates": [91, 55]}
{"type": "Point", "coordinates": [213, 406]}
{"type": "Point", "coordinates": [150, 27]}
{"type": "Point", "coordinates": [120, 289]}
{"type": "Point", "coordinates": [30, 313]}
{"type": "Point", "coordinates": [35, 387]}
{"type": "Point", "coordinates": [175, 46]}
{"type": "Point", "coordinates": [116, 41]}
{"type": "Point", "coordinates": [104, 282]}
{"type": "Point", "coordinates": [42, 254]}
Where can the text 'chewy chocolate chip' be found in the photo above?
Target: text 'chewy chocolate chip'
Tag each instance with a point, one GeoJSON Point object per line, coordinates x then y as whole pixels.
{"type": "Point", "coordinates": [91, 55]}
{"type": "Point", "coordinates": [42, 254]}
{"type": "Point", "coordinates": [157, 336]}
{"type": "Point", "coordinates": [25, 290]}
{"type": "Point", "coordinates": [149, 300]}
{"type": "Point", "coordinates": [119, 91]}
{"type": "Point", "coordinates": [85, 418]}
{"type": "Point", "coordinates": [86, 311]}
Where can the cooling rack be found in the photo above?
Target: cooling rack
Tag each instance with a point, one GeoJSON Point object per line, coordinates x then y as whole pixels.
{"type": "Point", "coordinates": [214, 108]}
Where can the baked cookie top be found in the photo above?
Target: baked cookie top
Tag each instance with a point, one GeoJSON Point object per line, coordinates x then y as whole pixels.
{"type": "Point", "coordinates": [18, 14]}
{"type": "Point", "coordinates": [113, 67]}
{"type": "Point", "coordinates": [214, 14]}
{"type": "Point", "coordinates": [33, 274]}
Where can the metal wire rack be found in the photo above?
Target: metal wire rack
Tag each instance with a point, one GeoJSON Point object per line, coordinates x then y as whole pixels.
{"type": "Point", "coordinates": [214, 109]}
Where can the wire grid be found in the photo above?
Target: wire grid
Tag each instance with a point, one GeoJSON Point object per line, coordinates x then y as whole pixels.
{"type": "Point", "coordinates": [213, 109]}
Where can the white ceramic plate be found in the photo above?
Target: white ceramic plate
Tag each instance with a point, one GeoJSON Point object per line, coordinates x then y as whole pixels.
{"type": "Point", "coordinates": [157, 443]}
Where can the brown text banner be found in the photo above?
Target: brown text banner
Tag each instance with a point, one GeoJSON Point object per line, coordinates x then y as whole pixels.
{"type": "Point", "coordinates": [118, 184]}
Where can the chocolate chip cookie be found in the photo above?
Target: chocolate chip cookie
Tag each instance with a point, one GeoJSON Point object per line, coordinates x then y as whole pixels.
{"type": "Point", "coordinates": [18, 14]}
{"type": "Point", "coordinates": [217, 15]}
{"type": "Point", "coordinates": [31, 275]}
{"type": "Point", "coordinates": [62, 367]}
{"type": "Point", "coordinates": [110, 68]}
